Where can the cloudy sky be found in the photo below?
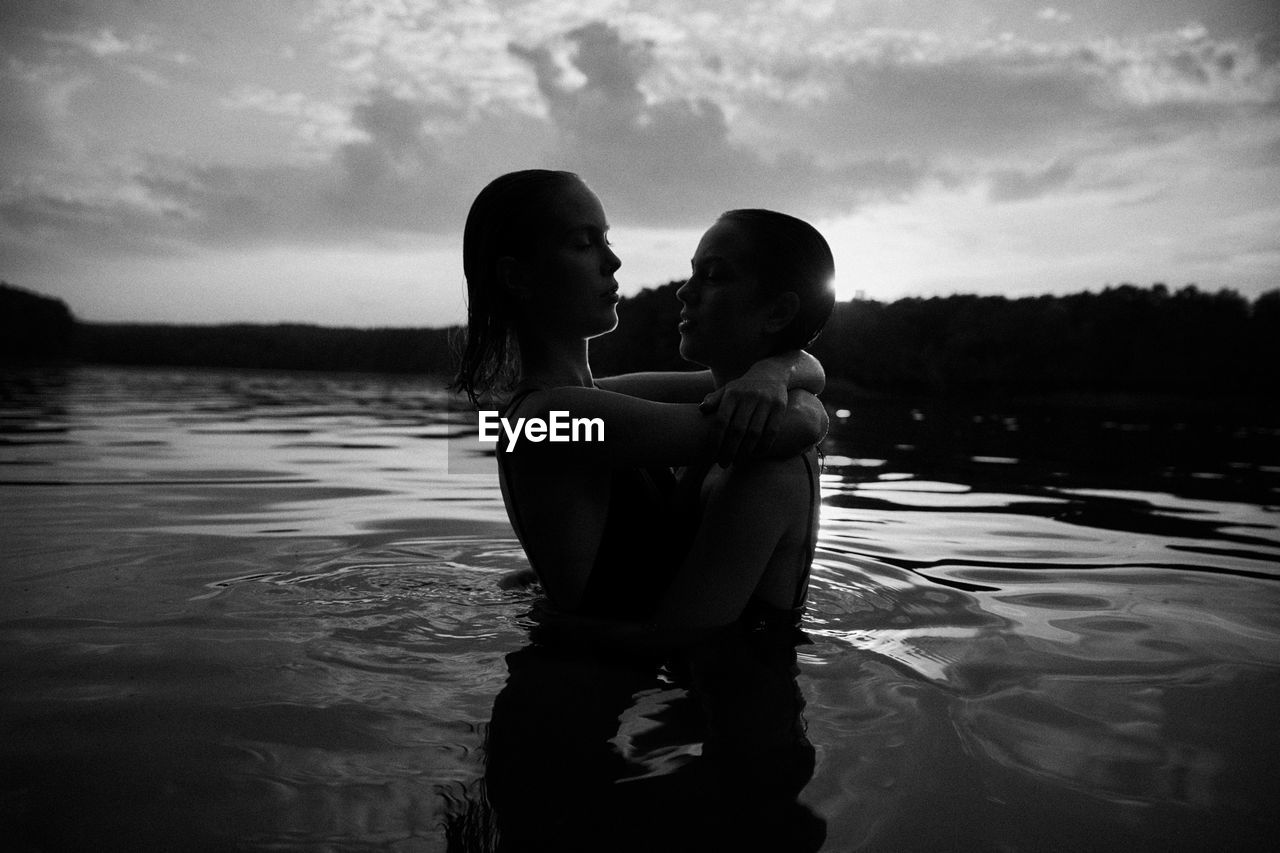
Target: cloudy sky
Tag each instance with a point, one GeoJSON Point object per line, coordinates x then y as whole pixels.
{"type": "Point", "coordinates": [228, 160]}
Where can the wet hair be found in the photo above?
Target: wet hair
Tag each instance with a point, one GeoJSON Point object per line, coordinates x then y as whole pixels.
{"type": "Point", "coordinates": [504, 220]}
{"type": "Point", "coordinates": [790, 255]}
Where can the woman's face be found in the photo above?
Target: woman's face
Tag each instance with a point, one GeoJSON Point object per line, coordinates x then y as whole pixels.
{"type": "Point", "coordinates": [573, 290]}
{"type": "Point", "coordinates": [725, 312]}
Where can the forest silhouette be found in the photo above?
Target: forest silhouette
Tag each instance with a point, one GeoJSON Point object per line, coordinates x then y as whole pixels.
{"type": "Point", "coordinates": [1121, 339]}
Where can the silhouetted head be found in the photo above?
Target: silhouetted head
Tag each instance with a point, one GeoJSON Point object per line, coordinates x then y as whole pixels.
{"type": "Point", "coordinates": [536, 259]}
{"type": "Point", "coordinates": [761, 284]}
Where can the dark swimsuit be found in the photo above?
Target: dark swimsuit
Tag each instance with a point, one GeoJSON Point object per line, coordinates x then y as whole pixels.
{"type": "Point", "coordinates": [648, 528]}
{"type": "Point", "coordinates": [640, 546]}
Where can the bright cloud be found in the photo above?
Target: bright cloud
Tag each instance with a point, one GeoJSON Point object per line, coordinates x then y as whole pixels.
{"type": "Point", "coordinates": [990, 134]}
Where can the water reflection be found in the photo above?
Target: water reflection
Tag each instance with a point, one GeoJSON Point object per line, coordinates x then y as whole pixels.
{"type": "Point", "coordinates": [587, 752]}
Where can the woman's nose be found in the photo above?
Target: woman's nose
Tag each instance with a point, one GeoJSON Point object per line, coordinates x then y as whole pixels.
{"type": "Point", "coordinates": [612, 262]}
{"type": "Point", "coordinates": [685, 291]}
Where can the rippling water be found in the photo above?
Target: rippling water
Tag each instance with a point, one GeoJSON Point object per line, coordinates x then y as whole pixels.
{"type": "Point", "coordinates": [262, 611]}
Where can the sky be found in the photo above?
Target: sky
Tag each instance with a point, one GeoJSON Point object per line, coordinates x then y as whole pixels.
{"type": "Point", "coordinates": [208, 161]}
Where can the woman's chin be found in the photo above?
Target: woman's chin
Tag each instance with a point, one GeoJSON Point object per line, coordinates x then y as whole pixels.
{"type": "Point", "coordinates": [607, 325]}
{"type": "Point", "coordinates": [689, 351]}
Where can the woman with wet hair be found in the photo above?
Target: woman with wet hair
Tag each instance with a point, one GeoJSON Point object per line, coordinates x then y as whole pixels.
{"type": "Point", "coordinates": [707, 576]}
{"type": "Point", "coordinates": [594, 517]}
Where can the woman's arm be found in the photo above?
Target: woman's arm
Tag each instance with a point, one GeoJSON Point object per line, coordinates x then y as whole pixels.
{"type": "Point", "coordinates": [795, 370]}
{"type": "Point", "coordinates": [662, 386]}
{"type": "Point", "coordinates": [748, 410]}
{"type": "Point", "coordinates": [625, 432]}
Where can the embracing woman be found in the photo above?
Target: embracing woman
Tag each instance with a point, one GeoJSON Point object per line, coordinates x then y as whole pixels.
{"type": "Point", "coordinates": [713, 566]}
{"type": "Point", "coordinates": [596, 519]}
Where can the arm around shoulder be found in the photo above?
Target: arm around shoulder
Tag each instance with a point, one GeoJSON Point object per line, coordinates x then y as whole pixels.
{"type": "Point", "coordinates": [796, 369]}
{"type": "Point", "coordinates": [598, 427]}
{"type": "Point", "coordinates": [662, 386]}
{"type": "Point", "coordinates": [804, 425]}
{"type": "Point", "coordinates": [591, 426]}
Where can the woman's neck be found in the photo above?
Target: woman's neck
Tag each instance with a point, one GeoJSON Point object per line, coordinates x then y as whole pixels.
{"type": "Point", "coordinates": [722, 374]}
{"type": "Point", "coordinates": [727, 371]}
{"type": "Point", "coordinates": [554, 363]}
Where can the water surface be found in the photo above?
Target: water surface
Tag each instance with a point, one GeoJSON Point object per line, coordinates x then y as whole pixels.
{"type": "Point", "coordinates": [246, 610]}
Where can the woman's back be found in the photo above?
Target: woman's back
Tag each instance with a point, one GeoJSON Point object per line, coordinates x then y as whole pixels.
{"type": "Point", "coordinates": [757, 529]}
{"type": "Point", "coordinates": [602, 539]}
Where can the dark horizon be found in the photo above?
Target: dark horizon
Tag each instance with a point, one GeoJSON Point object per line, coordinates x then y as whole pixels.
{"type": "Point", "coordinates": [640, 294]}
{"type": "Point", "coordinates": [1123, 339]}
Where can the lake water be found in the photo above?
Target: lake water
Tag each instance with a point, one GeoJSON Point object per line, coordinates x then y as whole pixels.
{"type": "Point", "coordinates": [261, 611]}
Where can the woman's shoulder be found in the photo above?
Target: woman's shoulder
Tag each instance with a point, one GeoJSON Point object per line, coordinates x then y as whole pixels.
{"type": "Point", "coordinates": [537, 400]}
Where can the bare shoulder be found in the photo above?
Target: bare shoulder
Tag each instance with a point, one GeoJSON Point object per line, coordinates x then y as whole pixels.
{"type": "Point", "coordinates": [533, 403]}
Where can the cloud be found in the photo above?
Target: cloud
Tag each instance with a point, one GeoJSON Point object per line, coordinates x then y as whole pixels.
{"type": "Point", "coordinates": [393, 123]}
{"type": "Point", "coordinates": [940, 97]}
{"type": "Point", "coordinates": [28, 134]}
{"type": "Point", "coordinates": [394, 153]}
{"type": "Point", "coordinates": [99, 226]}
{"type": "Point", "coordinates": [1116, 117]}
{"type": "Point", "coordinates": [319, 127]}
{"type": "Point", "coordinates": [389, 181]}
{"type": "Point", "coordinates": [402, 162]}
{"type": "Point", "coordinates": [1016, 185]}
{"type": "Point", "coordinates": [1054, 16]}
{"type": "Point", "coordinates": [668, 161]}
{"type": "Point", "coordinates": [102, 44]}
{"type": "Point", "coordinates": [671, 119]}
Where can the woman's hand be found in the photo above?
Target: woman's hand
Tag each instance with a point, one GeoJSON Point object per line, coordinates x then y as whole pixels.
{"type": "Point", "coordinates": [748, 412]}
{"type": "Point", "coordinates": [638, 433]}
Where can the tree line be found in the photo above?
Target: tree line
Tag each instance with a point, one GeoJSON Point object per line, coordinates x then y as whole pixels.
{"type": "Point", "coordinates": [39, 329]}
{"type": "Point", "coordinates": [1124, 338]}
{"type": "Point", "coordinates": [286, 346]}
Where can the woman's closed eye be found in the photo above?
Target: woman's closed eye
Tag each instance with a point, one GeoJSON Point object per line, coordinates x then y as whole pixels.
{"type": "Point", "coordinates": [591, 239]}
{"type": "Point", "coordinates": [710, 272]}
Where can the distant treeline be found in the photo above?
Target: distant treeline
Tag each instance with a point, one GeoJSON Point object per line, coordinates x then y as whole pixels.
{"type": "Point", "coordinates": [33, 327]}
{"type": "Point", "coordinates": [279, 347]}
{"type": "Point", "coordinates": [37, 328]}
{"type": "Point", "coordinates": [1124, 338]}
